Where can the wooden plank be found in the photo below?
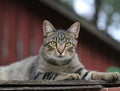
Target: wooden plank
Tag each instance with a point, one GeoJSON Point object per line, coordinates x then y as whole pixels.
{"type": "Point", "coordinates": [24, 31]}
{"type": "Point", "coordinates": [58, 83]}
{"type": "Point", "coordinates": [111, 89]}
{"type": "Point", "coordinates": [1, 29]}
{"type": "Point", "coordinates": [47, 85]}
{"type": "Point", "coordinates": [38, 34]}
{"type": "Point", "coordinates": [65, 88]}
{"type": "Point", "coordinates": [11, 19]}
{"type": "Point", "coordinates": [4, 34]}
{"type": "Point", "coordinates": [66, 85]}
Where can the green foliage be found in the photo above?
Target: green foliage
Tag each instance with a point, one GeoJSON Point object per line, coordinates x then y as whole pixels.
{"type": "Point", "coordinates": [115, 4]}
{"type": "Point", "coordinates": [113, 69]}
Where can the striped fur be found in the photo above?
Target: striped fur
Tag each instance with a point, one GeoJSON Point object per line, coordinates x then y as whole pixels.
{"type": "Point", "coordinates": [57, 60]}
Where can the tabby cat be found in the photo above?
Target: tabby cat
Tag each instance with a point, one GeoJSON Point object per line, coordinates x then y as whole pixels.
{"type": "Point", "coordinates": [57, 60]}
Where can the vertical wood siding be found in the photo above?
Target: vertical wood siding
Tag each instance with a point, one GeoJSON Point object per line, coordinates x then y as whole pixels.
{"type": "Point", "coordinates": [21, 36]}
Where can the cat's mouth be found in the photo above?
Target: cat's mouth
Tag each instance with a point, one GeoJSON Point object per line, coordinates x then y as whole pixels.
{"type": "Point", "coordinates": [60, 56]}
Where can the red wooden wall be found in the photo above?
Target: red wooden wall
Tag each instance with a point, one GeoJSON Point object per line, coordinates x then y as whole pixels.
{"type": "Point", "coordinates": [21, 35]}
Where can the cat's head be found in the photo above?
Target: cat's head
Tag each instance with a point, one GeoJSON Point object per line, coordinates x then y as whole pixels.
{"type": "Point", "coordinates": [59, 45]}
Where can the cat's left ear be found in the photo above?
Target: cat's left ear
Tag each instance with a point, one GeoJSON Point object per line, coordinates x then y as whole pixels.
{"type": "Point", "coordinates": [47, 27]}
{"type": "Point", "coordinates": [74, 29]}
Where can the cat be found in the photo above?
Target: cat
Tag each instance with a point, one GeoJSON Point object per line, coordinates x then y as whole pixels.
{"type": "Point", "coordinates": [57, 60]}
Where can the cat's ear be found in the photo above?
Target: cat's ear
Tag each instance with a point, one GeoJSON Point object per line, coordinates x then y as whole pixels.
{"type": "Point", "coordinates": [47, 27]}
{"type": "Point", "coordinates": [74, 29]}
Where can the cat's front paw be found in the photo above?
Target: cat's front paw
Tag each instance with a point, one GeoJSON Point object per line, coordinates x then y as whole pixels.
{"type": "Point", "coordinates": [111, 77]}
{"type": "Point", "coordinates": [73, 76]}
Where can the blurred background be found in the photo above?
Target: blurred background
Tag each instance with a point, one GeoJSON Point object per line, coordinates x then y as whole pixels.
{"type": "Point", "coordinates": [104, 14]}
{"type": "Point", "coordinates": [99, 40]}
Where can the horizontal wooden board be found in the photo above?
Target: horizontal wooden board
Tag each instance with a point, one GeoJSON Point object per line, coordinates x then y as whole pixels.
{"type": "Point", "coordinates": [58, 83]}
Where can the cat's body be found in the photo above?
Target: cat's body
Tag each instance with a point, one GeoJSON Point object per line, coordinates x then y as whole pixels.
{"type": "Point", "coordinates": [29, 68]}
{"type": "Point", "coordinates": [57, 60]}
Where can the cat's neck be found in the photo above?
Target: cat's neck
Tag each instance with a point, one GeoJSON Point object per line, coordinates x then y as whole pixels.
{"type": "Point", "coordinates": [47, 66]}
{"type": "Point", "coordinates": [59, 62]}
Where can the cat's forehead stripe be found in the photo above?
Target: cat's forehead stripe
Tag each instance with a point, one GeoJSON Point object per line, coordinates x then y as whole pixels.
{"type": "Point", "coordinates": [60, 37]}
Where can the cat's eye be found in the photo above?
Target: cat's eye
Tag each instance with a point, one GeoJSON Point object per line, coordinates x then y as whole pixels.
{"type": "Point", "coordinates": [53, 43]}
{"type": "Point", "coordinates": [68, 44]}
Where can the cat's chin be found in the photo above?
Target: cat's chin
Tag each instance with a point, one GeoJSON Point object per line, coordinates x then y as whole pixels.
{"type": "Point", "coordinates": [59, 60]}
{"type": "Point", "coordinates": [60, 56]}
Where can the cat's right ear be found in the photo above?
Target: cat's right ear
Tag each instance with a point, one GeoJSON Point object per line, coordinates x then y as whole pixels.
{"type": "Point", "coordinates": [47, 28]}
{"type": "Point", "coordinates": [74, 29]}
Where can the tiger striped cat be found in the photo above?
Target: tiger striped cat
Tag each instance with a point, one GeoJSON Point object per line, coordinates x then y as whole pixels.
{"type": "Point", "coordinates": [57, 60]}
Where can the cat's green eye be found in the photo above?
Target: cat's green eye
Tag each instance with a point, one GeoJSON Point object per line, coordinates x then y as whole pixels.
{"type": "Point", "coordinates": [68, 44]}
{"type": "Point", "coordinates": [53, 43]}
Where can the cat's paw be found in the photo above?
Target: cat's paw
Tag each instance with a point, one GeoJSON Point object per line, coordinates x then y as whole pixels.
{"type": "Point", "coordinates": [111, 77]}
{"type": "Point", "coordinates": [73, 76]}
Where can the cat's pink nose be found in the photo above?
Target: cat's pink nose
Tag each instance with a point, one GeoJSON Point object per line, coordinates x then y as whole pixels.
{"type": "Point", "coordinates": [60, 48]}
{"type": "Point", "coordinates": [60, 51]}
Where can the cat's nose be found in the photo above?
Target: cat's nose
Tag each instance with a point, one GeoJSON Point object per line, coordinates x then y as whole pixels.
{"type": "Point", "coordinates": [60, 49]}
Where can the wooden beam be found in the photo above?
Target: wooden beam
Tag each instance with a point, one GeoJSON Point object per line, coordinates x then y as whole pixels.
{"type": "Point", "coordinates": [66, 85]}
{"type": "Point", "coordinates": [59, 83]}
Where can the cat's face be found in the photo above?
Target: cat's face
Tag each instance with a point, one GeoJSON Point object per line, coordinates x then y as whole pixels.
{"type": "Point", "coordinates": [59, 45]}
